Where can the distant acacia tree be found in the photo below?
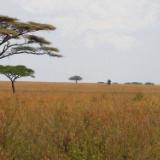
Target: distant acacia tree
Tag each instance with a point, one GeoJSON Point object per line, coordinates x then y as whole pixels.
{"type": "Point", "coordinates": [18, 37]}
{"type": "Point", "coordinates": [75, 78]}
{"type": "Point", "coordinates": [15, 72]}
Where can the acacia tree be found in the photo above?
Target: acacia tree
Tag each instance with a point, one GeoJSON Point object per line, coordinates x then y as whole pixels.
{"type": "Point", "coordinates": [75, 78]}
{"type": "Point", "coordinates": [15, 72]}
{"type": "Point", "coordinates": [18, 37]}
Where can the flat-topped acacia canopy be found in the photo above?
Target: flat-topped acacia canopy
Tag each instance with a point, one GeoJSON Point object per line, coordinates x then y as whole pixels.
{"type": "Point", "coordinates": [18, 37]}
{"type": "Point", "coordinates": [76, 78]}
{"type": "Point", "coordinates": [15, 72]}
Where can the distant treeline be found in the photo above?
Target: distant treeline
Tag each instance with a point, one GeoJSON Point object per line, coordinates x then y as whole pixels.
{"type": "Point", "coordinates": [130, 83]}
{"type": "Point", "coordinates": [140, 83]}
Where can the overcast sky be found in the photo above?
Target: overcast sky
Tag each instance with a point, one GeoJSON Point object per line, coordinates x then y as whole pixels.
{"type": "Point", "coordinates": [99, 39]}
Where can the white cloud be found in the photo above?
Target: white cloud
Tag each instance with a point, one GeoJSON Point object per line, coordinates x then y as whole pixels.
{"type": "Point", "coordinates": [75, 18]}
{"type": "Point", "coordinates": [50, 6]}
{"type": "Point", "coordinates": [111, 39]}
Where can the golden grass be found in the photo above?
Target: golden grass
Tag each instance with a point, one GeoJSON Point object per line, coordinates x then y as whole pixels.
{"type": "Point", "coordinates": [60, 121]}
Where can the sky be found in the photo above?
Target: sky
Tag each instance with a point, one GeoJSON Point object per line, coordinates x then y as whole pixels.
{"type": "Point", "coordinates": [99, 39]}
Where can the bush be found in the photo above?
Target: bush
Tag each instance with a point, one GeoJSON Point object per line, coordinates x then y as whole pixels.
{"type": "Point", "coordinates": [149, 83]}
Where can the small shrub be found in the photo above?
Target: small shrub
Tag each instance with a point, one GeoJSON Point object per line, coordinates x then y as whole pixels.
{"type": "Point", "coordinates": [138, 97]}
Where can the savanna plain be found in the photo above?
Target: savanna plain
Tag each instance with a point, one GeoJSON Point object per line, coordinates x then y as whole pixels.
{"type": "Point", "coordinates": [64, 121]}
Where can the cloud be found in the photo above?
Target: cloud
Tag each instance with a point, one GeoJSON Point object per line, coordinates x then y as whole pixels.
{"type": "Point", "coordinates": [110, 21]}
{"type": "Point", "coordinates": [50, 6]}
{"type": "Point", "coordinates": [111, 39]}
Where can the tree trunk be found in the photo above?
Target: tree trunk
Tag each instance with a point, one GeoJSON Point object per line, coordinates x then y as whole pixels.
{"type": "Point", "coordinates": [76, 81]}
{"type": "Point", "coordinates": [13, 87]}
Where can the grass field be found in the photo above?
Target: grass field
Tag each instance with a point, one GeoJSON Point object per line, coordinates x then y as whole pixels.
{"type": "Point", "coordinates": [60, 121]}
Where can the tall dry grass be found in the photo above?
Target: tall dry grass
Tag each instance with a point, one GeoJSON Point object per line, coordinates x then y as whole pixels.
{"type": "Point", "coordinates": [79, 122]}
